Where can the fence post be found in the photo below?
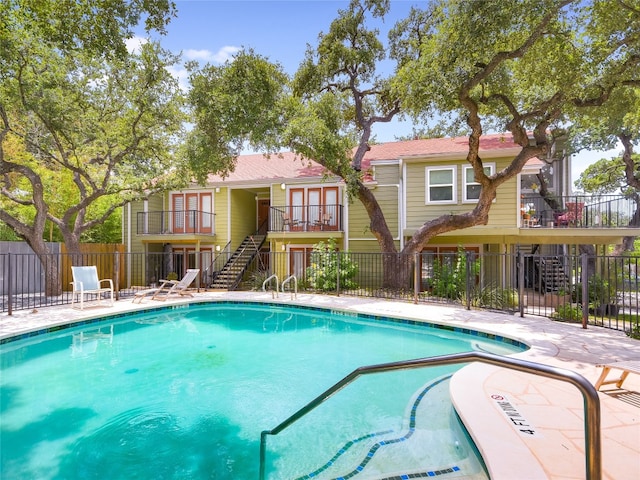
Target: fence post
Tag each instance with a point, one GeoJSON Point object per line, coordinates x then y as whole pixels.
{"type": "Point", "coordinates": [116, 274]}
{"type": "Point", "coordinates": [338, 273]}
{"type": "Point", "coordinates": [584, 274]}
{"type": "Point", "coordinates": [9, 289]}
{"type": "Point", "coordinates": [416, 278]}
{"type": "Point", "coordinates": [468, 273]}
{"type": "Point", "coordinates": [521, 282]}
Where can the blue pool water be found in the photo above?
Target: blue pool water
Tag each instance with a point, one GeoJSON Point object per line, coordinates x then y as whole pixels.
{"type": "Point", "coordinates": [185, 392]}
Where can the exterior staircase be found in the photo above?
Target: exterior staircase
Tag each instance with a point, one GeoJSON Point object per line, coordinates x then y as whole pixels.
{"type": "Point", "coordinates": [231, 273]}
{"type": "Point", "coordinates": [551, 274]}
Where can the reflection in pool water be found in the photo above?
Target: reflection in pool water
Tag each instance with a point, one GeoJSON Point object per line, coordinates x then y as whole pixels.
{"type": "Point", "coordinates": [185, 392]}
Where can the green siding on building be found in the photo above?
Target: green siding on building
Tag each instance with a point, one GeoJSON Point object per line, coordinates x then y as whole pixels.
{"type": "Point", "coordinates": [387, 174]}
{"type": "Point", "coordinates": [359, 221]}
{"type": "Point", "coordinates": [503, 211]}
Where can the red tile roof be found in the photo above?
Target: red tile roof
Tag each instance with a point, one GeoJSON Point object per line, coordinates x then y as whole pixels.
{"type": "Point", "coordinates": [287, 166]}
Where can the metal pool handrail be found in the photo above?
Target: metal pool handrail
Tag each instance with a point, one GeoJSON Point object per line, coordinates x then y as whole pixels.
{"type": "Point", "coordinates": [589, 394]}
{"type": "Point", "coordinates": [295, 285]}
{"type": "Point", "coordinates": [264, 289]}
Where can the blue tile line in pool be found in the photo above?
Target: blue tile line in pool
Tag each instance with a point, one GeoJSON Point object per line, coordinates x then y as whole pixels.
{"type": "Point", "coordinates": [377, 446]}
{"type": "Point", "coordinates": [476, 333]}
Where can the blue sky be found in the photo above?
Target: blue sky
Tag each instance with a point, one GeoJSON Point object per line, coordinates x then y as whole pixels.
{"type": "Point", "coordinates": [211, 31]}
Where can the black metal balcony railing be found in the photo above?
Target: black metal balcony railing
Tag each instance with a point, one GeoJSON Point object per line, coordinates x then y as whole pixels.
{"type": "Point", "coordinates": [577, 211]}
{"type": "Point", "coordinates": [175, 222]}
{"type": "Point", "coordinates": [305, 218]}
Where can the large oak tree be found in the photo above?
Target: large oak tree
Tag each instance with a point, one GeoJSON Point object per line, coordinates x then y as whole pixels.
{"type": "Point", "coordinates": [82, 120]}
{"type": "Point", "coordinates": [509, 65]}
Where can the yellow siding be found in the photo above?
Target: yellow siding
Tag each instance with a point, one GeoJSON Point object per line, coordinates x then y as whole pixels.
{"type": "Point", "coordinates": [359, 219]}
{"type": "Point", "coordinates": [220, 205]}
{"type": "Point", "coordinates": [155, 204]}
{"type": "Point", "coordinates": [387, 174]}
{"type": "Point", "coordinates": [278, 196]}
{"type": "Point", "coordinates": [503, 211]}
{"type": "Point", "coordinates": [243, 219]}
{"type": "Point", "coordinates": [366, 246]}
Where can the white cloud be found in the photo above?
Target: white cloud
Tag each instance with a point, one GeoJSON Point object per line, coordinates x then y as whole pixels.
{"type": "Point", "coordinates": [181, 74]}
{"type": "Point", "coordinates": [225, 53]}
{"type": "Point", "coordinates": [221, 56]}
{"type": "Point", "coordinates": [134, 44]}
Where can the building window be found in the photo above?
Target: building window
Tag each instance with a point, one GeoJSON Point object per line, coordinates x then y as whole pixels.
{"type": "Point", "coordinates": [441, 185]}
{"type": "Point", "coordinates": [471, 187]}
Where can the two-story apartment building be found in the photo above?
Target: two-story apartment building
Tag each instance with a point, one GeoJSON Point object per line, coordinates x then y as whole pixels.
{"type": "Point", "coordinates": [287, 204]}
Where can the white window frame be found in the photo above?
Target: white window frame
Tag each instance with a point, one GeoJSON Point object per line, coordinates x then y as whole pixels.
{"type": "Point", "coordinates": [492, 168]}
{"type": "Point", "coordinates": [454, 190]}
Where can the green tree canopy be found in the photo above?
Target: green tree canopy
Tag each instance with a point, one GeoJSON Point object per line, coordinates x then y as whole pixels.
{"type": "Point", "coordinates": [85, 126]}
{"type": "Point", "coordinates": [525, 67]}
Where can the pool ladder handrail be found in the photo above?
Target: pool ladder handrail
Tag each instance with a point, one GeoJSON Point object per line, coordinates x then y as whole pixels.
{"type": "Point", "coordinates": [274, 293]}
{"type": "Point", "coordinates": [592, 416]}
{"type": "Point", "coordinates": [294, 292]}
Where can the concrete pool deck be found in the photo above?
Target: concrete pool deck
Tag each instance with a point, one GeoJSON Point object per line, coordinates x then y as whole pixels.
{"type": "Point", "coordinates": [551, 410]}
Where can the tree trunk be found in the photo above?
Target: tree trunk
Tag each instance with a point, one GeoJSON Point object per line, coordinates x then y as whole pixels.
{"type": "Point", "coordinates": [72, 244]}
{"type": "Point", "coordinates": [397, 268]}
{"type": "Point", "coordinates": [52, 286]}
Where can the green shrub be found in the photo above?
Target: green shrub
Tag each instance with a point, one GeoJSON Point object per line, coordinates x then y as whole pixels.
{"type": "Point", "coordinates": [634, 332]}
{"type": "Point", "coordinates": [326, 264]}
{"type": "Point", "coordinates": [450, 275]}
{"type": "Point", "coordinates": [172, 276]}
{"type": "Point", "coordinates": [494, 296]}
{"type": "Point", "coordinates": [600, 290]}
{"type": "Point", "coordinates": [567, 313]}
{"type": "Point", "coordinates": [257, 278]}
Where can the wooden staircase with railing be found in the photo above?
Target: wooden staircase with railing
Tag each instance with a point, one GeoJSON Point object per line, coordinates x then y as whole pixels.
{"type": "Point", "coordinates": [231, 273]}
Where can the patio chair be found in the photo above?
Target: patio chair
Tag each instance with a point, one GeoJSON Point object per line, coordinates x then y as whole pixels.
{"type": "Point", "coordinates": [287, 221]}
{"type": "Point", "coordinates": [572, 216]}
{"type": "Point", "coordinates": [169, 287]}
{"type": "Point", "coordinates": [631, 366]}
{"type": "Point", "coordinates": [325, 221]}
{"type": "Point", "coordinates": [86, 283]}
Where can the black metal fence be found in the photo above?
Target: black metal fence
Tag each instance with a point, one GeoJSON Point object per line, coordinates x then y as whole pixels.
{"type": "Point", "coordinates": [579, 211]}
{"type": "Point", "coordinates": [596, 290]}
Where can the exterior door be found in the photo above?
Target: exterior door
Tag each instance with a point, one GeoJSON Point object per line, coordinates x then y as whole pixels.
{"type": "Point", "coordinates": [206, 213]}
{"type": "Point", "coordinates": [178, 213]}
{"type": "Point", "coordinates": [330, 210]}
{"type": "Point", "coordinates": [296, 205]}
{"type": "Point", "coordinates": [263, 216]}
{"type": "Point", "coordinates": [191, 213]}
{"type": "Point", "coordinates": [298, 261]}
{"type": "Point", "coordinates": [314, 208]}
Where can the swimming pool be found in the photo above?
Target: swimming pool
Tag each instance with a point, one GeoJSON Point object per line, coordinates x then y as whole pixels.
{"type": "Point", "coordinates": [185, 392]}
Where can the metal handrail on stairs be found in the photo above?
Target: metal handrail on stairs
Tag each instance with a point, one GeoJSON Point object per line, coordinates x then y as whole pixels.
{"type": "Point", "coordinates": [592, 415]}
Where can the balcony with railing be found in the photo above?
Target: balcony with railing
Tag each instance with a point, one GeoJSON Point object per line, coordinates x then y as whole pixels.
{"type": "Point", "coordinates": [306, 218]}
{"type": "Point", "coordinates": [176, 222]}
{"type": "Point", "coordinates": [577, 211]}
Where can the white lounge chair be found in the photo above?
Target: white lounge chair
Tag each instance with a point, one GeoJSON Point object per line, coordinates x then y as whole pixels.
{"type": "Point", "coordinates": [86, 282]}
{"type": "Point", "coordinates": [630, 366]}
{"type": "Point", "coordinates": [169, 287]}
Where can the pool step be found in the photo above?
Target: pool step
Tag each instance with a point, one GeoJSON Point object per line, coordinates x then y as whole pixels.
{"type": "Point", "coordinates": [428, 446]}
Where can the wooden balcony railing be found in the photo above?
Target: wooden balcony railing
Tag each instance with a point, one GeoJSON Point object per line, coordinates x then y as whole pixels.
{"type": "Point", "coordinates": [175, 222]}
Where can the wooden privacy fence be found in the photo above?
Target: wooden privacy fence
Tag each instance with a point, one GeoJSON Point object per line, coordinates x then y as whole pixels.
{"type": "Point", "coordinates": [107, 257]}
